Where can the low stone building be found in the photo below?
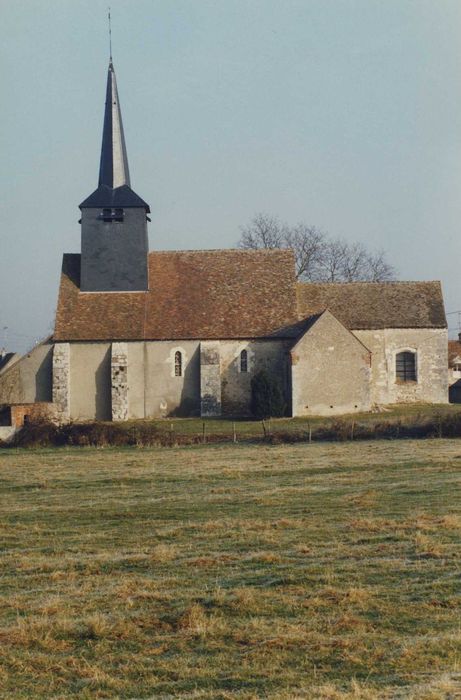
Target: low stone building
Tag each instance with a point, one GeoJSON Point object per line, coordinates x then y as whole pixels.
{"type": "Point", "coordinates": [159, 334]}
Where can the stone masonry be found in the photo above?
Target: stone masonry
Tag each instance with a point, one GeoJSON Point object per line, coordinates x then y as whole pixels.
{"type": "Point", "coordinates": [210, 379]}
{"type": "Point", "coordinates": [61, 381]}
{"type": "Point", "coordinates": [119, 381]}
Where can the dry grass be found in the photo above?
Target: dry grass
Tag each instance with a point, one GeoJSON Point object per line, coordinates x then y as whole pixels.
{"type": "Point", "coordinates": [308, 571]}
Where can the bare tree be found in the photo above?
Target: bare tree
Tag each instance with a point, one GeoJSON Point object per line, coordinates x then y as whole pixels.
{"type": "Point", "coordinates": [379, 270]}
{"type": "Point", "coordinates": [355, 262]}
{"type": "Point", "coordinates": [318, 258]}
{"type": "Point", "coordinates": [331, 263]}
{"type": "Point", "coordinates": [264, 231]}
{"type": "Point", "coordinates": [307, 243]}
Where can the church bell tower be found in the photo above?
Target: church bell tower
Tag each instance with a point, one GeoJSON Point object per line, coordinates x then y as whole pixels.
{"type": "Point", "coordinates": [114, 218]}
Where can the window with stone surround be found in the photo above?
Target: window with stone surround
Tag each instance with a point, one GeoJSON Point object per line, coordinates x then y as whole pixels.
{"type": "Point", "coordinates": [405, 366]}
{"type": "Point", "coordinates": [177, 364]}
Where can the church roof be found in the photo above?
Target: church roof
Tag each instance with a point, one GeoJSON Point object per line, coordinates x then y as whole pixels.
{"type": "Point", "coordinates": [373, 305]}
{"type": "Point", "coordinates": [212, 294]}
{"type": "Point", "coordinates": [206, 294]}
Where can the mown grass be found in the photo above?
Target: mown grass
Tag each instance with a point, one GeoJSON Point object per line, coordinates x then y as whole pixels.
{"type": "Point", "coordinates": [308, 571]}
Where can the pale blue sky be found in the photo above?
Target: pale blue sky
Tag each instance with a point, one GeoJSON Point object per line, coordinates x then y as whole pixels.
{"type": "Point", "coordinates": [343, 113]}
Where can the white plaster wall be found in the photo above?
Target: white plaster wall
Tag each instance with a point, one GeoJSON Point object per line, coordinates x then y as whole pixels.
{"type": "Point", "coordinates": [135, 371]}
{"type": "Point", "coordinates": [90, 384]}
{"type": "Point", "coordinates": [153, 389]}
{"type": "Point", "coordinates": [431, 346]}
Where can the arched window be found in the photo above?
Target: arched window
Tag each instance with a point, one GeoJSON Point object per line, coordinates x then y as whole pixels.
{"type": "Point", "coordinates": [405, 366]}
{"type": "Point", "coordinates": [177, 364]}
{"type": "Point", "coordinates": [244, 361]}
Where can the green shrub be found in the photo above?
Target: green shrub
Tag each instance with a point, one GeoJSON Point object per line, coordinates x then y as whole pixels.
{"type": "Point", "coordinates": [266, 396]}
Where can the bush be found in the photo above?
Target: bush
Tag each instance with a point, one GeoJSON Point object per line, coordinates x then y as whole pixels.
{"type": "Point", "coordinates": [266, 396]}
{"type": "Point", "coordinates": [42, 433]}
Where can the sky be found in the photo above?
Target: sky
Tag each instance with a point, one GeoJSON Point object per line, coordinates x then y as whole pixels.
{"type": "Point", "coordinates": [344, 114]}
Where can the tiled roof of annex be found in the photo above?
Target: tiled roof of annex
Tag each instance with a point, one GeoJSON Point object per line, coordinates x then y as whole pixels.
{"type": "Point", "coordinates": [374, 305]}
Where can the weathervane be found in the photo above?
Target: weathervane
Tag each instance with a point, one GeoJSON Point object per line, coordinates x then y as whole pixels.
{"type": "Point", "coordinates": [110, 35]}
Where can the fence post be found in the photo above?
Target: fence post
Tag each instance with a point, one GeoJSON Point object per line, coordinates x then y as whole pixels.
{"type": "Point", "coordinates": [203, 432]}
{"type": "Point", "coordinates": [352, 429]}
{"type": "Point", "coordinates": [310, 432]}
{"type": "Point", "coordinates": [234, 431]}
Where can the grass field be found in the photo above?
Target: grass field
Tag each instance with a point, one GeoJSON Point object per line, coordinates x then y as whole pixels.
{"type": "Point", "coordinates": [326, 571]}
{"type": "Point", "coordinates": [406, 413]}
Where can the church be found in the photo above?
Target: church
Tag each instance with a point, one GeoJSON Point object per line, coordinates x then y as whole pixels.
{"type": "Point", "coordinates": [142, 334]}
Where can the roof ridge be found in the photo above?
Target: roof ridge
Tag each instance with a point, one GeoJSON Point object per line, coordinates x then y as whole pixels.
{"type": "Point", "coordinates": [225, 250]}
{"type": "Point", "coordinates": [370, 282]}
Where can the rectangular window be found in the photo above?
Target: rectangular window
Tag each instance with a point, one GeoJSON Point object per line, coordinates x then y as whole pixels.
{"type": "Point", "coordinates": [108, 215]}
{"type": "Point", "coordinates": [405, 367]}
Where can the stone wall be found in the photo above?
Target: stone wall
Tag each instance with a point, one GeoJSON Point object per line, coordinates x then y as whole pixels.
{"type": "Point", "coordinates": [431, 347]}
{"type": "Point", "coordinates": [61, 380]}
{"type": "Point", "coordinates": [210, 379]}
{"type": "Point", "coordinates": [330, 371]}
{"type": "Point", "coordinates": [12, 389]}
{"type": "Point", "coordinates": [29, 378]}
{"type": "Point", "coordinates": [269, 355]}
{"type": "Point", "coordinates": [119, 381]}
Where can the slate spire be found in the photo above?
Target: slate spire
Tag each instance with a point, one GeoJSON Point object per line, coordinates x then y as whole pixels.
{"type": "Point", "coordinates": [113, 169]}
{"type": "Point", "coordinates": [114, 219]}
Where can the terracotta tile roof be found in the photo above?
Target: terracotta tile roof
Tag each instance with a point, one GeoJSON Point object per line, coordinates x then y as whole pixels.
{"type": "Point", "coordinates": [454, 351]}
{"type": "Point", "coordinates": [211, 294]}
{"type": "Point", "coordinates": [192, 294]}
{"type": "Point", "coordinates": [372, 305]}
